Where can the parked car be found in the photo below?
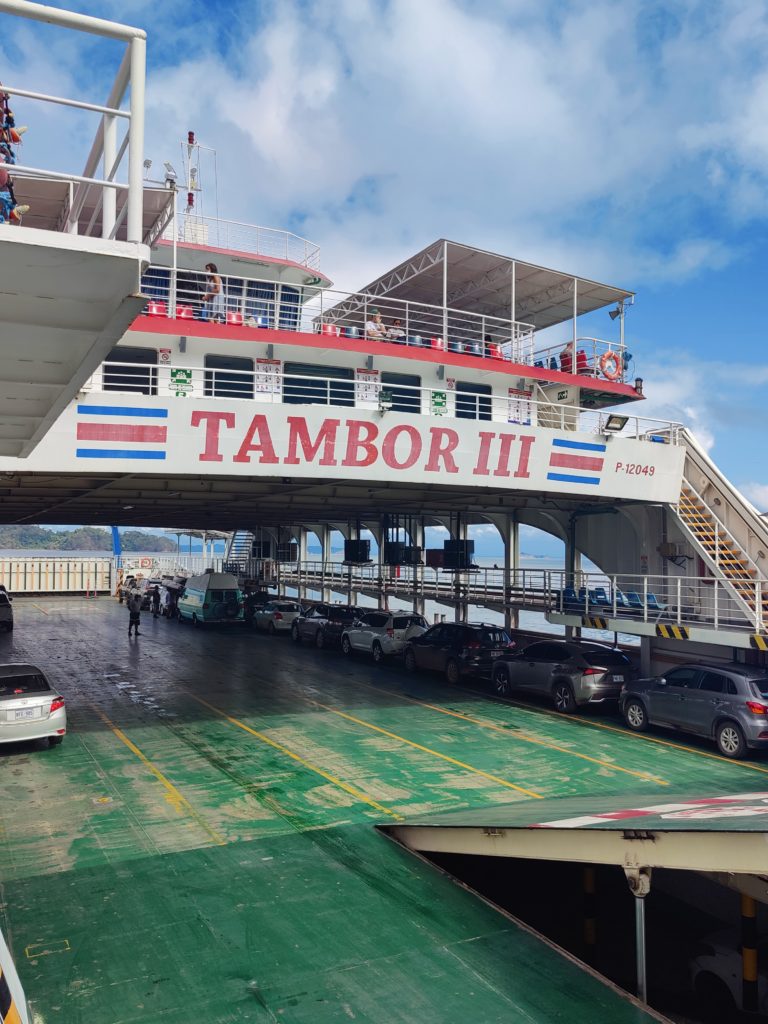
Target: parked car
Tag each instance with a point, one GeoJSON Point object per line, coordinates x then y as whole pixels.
{"type": "Point", "coordinates": [726, 703]}
{"type": "Point", "coordinates": [716, 975]}
{"type": "Point", "coordinates": [323, 624]}
{"type": "Point", "coordinates": [276, 616]}
{"type": "Point", "coordinates": [381, 634]}
{"type": "Point", "coordinates": [125, 586]}
{"type": "Point", "coordinates": [571, 673]}
{"type": "Point", "coordinates": [211, 597]}
{"type": "Point", "coordinates": [6, 612]}
{"type": "Point", "coordinates": [458, 649]}
{"type": "Point", "coordinates": [30, 708]}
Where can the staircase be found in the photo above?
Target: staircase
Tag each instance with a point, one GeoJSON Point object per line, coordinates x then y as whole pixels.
{"type": "Point", "coordinates": [722, 552]}
{"type": "Point", "coordinates": [239, 548]}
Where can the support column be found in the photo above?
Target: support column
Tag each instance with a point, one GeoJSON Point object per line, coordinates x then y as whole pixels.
{"type": "Point", "coordinates": [459, 579]}
{"type": "Point", "coordinates": [571, 563]}
{"type": "Point", "coordinates": [639, 881]}
{"type": "Point", "coordinates": [381, 596]}
{"type": "Point", "coordinates": [303, 535]}
{"type": "Point", "coordinates": [417, 540]}
{"type": "Point", "coordinates": [511, 538]}
{"type": "Point", "coordinates": [325, 556]}
{"type": "Point", "coordinates": [748, 953]}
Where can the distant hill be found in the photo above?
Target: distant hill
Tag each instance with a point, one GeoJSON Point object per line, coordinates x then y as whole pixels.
{"type": "Point", "coordinates": [84, 538]}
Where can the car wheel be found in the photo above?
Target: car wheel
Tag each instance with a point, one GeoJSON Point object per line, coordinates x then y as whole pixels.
{"type": "Point", "coordinates": [271, 628]}
{"type": "Point", "coordinates": [54, 741]}
{"type": "Point", "coordinates": [730, 740]}
{"type": "Point", "coordinates": [452, 673]}
{"type": "Point", "coordinates": [635, 715]}
{"type": "Point", "coordinates": [320, 639]}
{"type": "Point", "coordinates": [410, 660]}
{"type": "Point", "coordinates": [295, 636]}
{"type": "Point", "coordinates": [377, 651]}
{"type": "Point", "coordinates": [501, 681]}
{"type": "Point", "coordinates": [346, 646]}
{"type": "Point", "coordinates": [562, 695]}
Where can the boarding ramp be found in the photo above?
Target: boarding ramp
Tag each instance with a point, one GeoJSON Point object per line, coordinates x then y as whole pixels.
{"type": "Point", "coordinates": [726, 531]}
{"type": "Point", "coordinates": [722, 836]}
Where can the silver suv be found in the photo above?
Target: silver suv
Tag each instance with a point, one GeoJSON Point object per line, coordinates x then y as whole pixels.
{"type": "Point", "coordinates": [570, 673]}
{"type": "Point", "coordinates": [727, 703]}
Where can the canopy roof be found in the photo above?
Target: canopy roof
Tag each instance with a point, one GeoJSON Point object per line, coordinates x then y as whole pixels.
{"type": "Point", "coordinates": [482, 282]}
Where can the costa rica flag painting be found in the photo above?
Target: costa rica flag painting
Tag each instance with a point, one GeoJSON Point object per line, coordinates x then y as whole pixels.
{"type": "Point", "coordinates": [122, 432]}
{"type": "Point", "coordinates": [584, 458]}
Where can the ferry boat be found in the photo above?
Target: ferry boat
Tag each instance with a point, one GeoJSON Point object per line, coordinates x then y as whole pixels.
{"type": "Point", "coordinates": [213, 376]}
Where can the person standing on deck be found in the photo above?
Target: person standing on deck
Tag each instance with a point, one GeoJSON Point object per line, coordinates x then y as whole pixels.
{"type": "Point", "coordinates": [213, 299]}
{"type": "Point", "coordinates": [134, 612]}
{"type": "Point", "coordinates": [155, 595]}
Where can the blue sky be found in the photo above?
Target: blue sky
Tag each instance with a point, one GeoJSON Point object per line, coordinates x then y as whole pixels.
{"type": "Point", "coordinates": [625, 141]}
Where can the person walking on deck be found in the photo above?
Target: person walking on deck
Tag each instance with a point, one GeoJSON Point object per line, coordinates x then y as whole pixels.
{"type": "Point", "coordinates": [155, 595]}
{"type": "Point", "coordinates": [134, 612]}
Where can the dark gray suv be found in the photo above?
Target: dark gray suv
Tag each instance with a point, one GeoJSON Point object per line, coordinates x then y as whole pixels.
{"type": "Point", "coordinates": [727, 703]}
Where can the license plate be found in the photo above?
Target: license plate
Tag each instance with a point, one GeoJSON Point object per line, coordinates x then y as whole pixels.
{"type": "Point", "coordinates": [618, 679]}
{"type": "Point", "coordinates": [495, 654]}
{"type": "Point", "coordinates": [26, 713]}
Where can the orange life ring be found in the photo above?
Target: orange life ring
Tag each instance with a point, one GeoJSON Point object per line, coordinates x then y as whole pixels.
{"type": "Point", "coordinates": [612, 360]}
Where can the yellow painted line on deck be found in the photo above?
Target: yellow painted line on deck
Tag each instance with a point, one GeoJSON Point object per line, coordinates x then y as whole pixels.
{"type": "Point", "coordinates": [634, 735]}
{"type": "Point", "coordinates": [352, 790]}
{"type": "Point", "coordinates": [177, 800]}
{"type": "Point", "coordinates": [524, 738]}
{"type": "Point", "coordinates": [428, 750]}
{"type": "Point", "coordinates": [39, 608]}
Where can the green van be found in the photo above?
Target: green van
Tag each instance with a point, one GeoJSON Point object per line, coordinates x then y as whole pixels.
{"type": "Point", "coordinates": [212, 597]}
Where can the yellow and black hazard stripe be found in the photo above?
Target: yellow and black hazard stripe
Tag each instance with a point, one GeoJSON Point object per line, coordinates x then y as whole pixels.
{"type": "Point", "coordinates": [594, 621]}
{"type": "Point", "coordinates": [758, 642]}
{"type": "Point", "coordinates": [673, 632]}
{"type": "Point", "coordinates": [9, 1014]}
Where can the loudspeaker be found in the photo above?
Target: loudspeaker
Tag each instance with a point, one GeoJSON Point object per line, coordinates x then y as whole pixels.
{"type": "Point", "coordinates": [458, 553]}
{"type": "Point", "coordinates": [358, 552]}
{"type": "Point", "coordinates": [397, 552]}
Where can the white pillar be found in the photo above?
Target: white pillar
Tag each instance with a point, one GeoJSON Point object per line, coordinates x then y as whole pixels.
{"type": "Point", "coordinates": [136, 140]}
{"type": "Point", "coordinates": [109, 195]}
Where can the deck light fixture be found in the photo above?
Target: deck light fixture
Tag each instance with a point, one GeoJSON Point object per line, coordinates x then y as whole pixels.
{"type": "Point", "coordinates": [615, 424]}
{"type": "Point", "coordinates": [639, 385]}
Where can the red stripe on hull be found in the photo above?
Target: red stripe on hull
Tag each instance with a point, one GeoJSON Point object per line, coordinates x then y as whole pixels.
{"type": "Point", "coordinates": [120, 432]}
{"type": "Point", "coordinates": [576, 462]}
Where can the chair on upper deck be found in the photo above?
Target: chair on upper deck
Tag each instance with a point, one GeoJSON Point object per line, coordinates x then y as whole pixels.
{"type": "Point", "coordinates": [582, 363]}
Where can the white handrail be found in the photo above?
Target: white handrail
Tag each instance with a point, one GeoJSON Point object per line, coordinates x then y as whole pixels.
{"type": "Point", "coordinates": [211, 382]}
{"type": "Point", "coordinates": [131, 73]}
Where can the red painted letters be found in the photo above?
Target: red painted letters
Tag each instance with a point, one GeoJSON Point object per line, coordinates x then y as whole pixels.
{"type": "Point", "coordinates": [213, 421]}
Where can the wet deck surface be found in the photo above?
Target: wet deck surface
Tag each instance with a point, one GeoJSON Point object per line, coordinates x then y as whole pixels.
{"type": "Point", "coordinates": [202, 844]}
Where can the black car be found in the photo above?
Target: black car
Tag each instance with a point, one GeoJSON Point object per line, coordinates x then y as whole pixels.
{"type": "Point", "coordinates": [323, 624]}
{"type": "Point", "coordinates": [459, 649]}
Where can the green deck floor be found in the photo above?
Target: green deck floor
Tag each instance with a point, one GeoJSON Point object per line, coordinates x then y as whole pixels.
{"type": "Point", "coordinates": [201, 847]}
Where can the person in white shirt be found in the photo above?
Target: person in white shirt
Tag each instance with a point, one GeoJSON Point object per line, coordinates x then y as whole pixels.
{"type": "Point", "coordinates": [375, 328]}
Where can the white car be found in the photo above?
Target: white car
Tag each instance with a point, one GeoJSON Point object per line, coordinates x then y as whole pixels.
{"type": "Point", "coordinates": [716, 973]}
{"type": "Point", "coordinates": [382, 634]}
{"type": "Point", "coordinates": [277, 616]}
{"type": "Point", "coordinates": [30, 709]}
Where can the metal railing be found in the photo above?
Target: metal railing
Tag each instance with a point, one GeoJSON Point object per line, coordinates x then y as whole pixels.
{"type": "Point", "coordinates": [248, 238]}
{"type": "Point", "coordinates": [267, 383]}
{"type": "Point", "coordinates": [106, 151]}
{"type": "Point", "coordinates": [589, 353]}
{"type": "Point", "coordinates": [703, 601]}
{"type": "Point", "coordinates": [682, 601]}
{"type": "Point", "coordinates": [346, 317]}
